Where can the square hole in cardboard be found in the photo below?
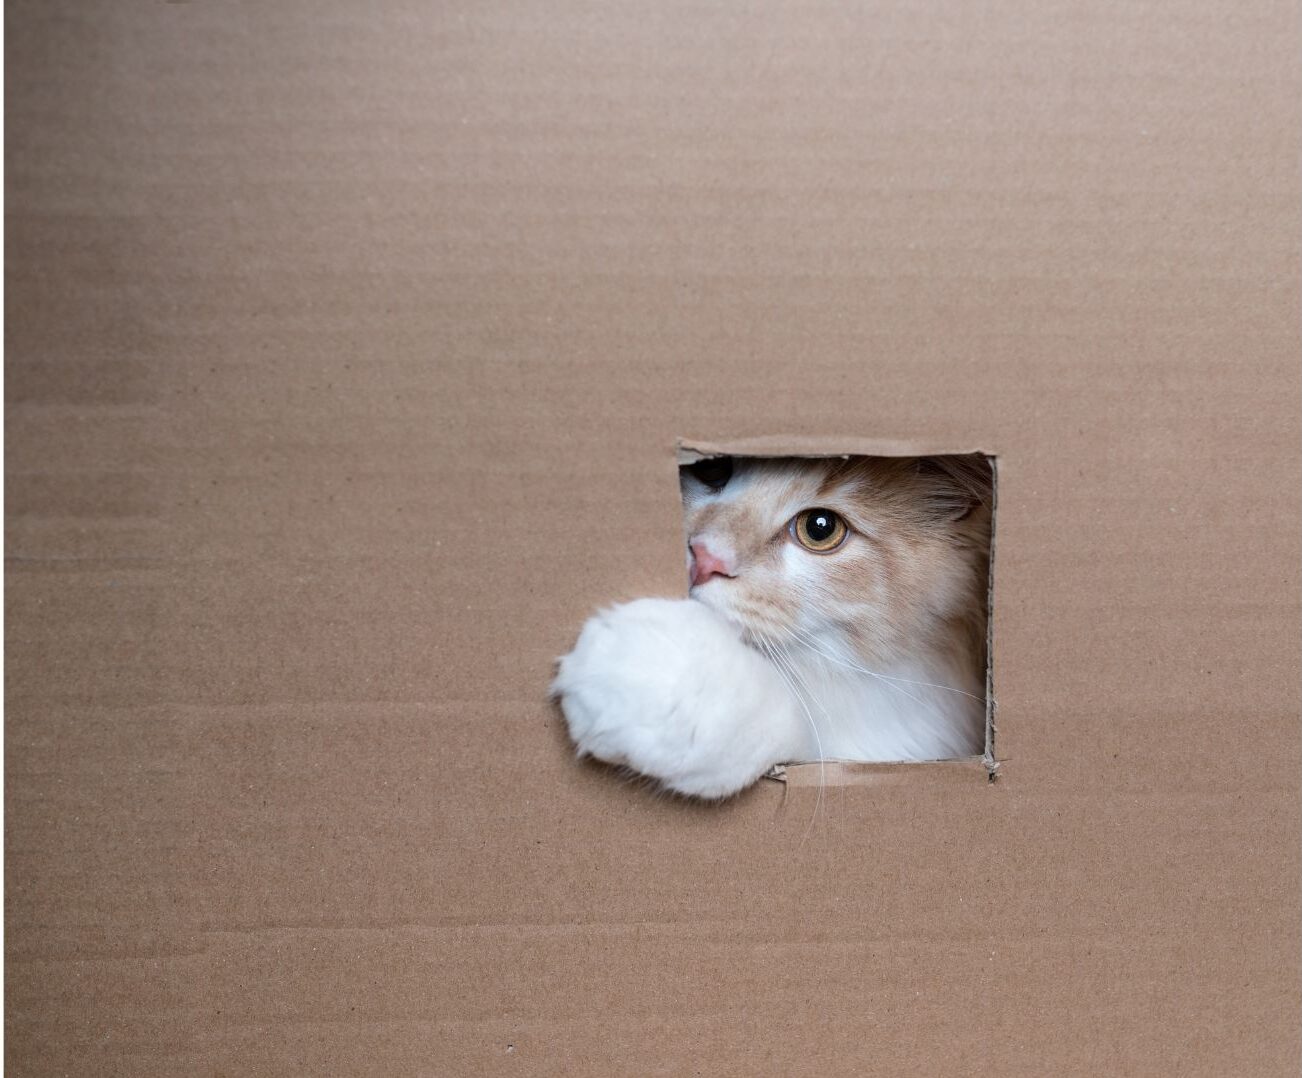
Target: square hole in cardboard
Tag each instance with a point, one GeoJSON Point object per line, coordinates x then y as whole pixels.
{"type": "Point", "coordinates": [866, 576]}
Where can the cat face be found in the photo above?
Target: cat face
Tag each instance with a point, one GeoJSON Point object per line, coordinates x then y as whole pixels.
{"type": "Point", "coordinates": [872, 556]}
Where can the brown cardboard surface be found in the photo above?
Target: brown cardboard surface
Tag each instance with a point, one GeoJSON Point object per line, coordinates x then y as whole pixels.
{"type": "Point", "coordinates": [349, 351]}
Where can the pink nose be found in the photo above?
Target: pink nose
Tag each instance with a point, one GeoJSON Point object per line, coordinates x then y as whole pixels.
{"type": "Point", "coordinates": [705, 564]}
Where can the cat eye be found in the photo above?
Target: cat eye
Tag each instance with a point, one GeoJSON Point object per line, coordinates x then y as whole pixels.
{"type": "Point", "coordinates": [819, 530]}
{"type": "Point", "coordinates": [714, 472]}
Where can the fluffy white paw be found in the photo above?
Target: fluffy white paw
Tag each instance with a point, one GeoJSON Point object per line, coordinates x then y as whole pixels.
{"type": "Point", "coordinates": [667, 688]}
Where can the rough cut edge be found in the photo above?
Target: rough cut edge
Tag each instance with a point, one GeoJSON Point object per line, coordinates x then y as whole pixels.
{"type": "Point", "coordinates": [691, 450]}
{"type": "Point", "coordinates": [837, 773]}
{"type": "Point", "coordinates": [988, 758]}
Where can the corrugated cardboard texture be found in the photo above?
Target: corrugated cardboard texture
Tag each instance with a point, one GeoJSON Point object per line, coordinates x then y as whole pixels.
{"type": "Point", "coordinates": [349, 350]}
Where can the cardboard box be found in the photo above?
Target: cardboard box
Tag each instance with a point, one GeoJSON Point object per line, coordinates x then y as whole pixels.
{"type": "Point", "coordinates": [349, 347]}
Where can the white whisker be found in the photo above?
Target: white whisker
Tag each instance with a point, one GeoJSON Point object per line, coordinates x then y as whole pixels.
{"type": "Point", "coordinates": [854, 666]}
{"type": "Point", "coordinates": [771, 650]}
{"type": "Point", "coordinates": [808, 641]}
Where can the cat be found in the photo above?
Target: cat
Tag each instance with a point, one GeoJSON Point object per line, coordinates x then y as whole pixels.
{"type": "Point", "coordinates": [837, 610]}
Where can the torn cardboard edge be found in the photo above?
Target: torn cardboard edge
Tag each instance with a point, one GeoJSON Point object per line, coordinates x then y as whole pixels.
{"type": "Point", "coordinates": [690, 450]}
{"type": "Point", "coordinates": [846, 773]}
{"type": "Point", "coordinates": [839, 773]}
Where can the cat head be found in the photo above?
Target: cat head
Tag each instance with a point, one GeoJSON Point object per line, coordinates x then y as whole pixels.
{"type": "Point", "coordinates": [875, 556]}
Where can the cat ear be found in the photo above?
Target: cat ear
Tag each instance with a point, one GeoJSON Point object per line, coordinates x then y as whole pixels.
{"type": "Point", "coordinates": [954, 486]}
{"type": "Point", "coordinates": [714, 472]}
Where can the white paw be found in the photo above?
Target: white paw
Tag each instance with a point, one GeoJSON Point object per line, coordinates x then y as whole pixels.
{"type": "Point", "coordinates": [667, 688]}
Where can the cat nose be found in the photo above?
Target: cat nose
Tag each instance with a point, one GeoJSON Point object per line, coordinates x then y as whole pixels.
{"type": "Point", "coordinates": [705, 563]}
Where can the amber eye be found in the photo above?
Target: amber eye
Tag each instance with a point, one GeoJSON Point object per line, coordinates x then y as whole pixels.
{"type": "Point", "coordinates": [819, 530]}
